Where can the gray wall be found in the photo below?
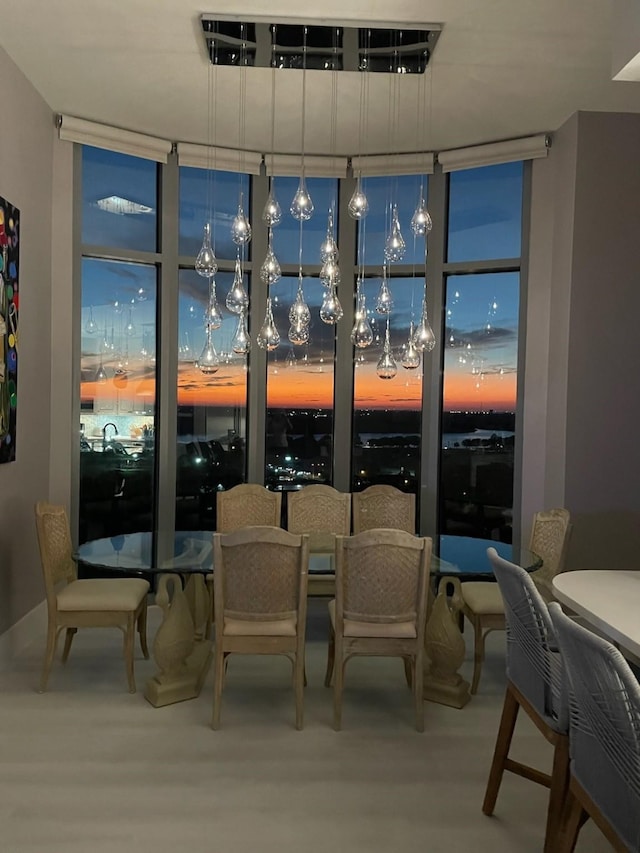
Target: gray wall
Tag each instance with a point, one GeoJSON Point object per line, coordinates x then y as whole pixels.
{"type": "Point", "coordinates": [588, 190]}
{"type": "Point", "coordinates": [26, 146]}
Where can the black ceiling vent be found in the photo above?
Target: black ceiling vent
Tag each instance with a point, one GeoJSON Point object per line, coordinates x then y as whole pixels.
{"type": "Point", "coordinates": [325, 48]}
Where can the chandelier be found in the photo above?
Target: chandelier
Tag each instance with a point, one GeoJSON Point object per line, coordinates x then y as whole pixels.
{"type": "Point", "coordinates": [301, 208]}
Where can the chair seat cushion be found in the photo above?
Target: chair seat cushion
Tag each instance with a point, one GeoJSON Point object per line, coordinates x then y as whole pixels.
{"type": "Point", "coordinates": [388, 630]}
{"type": "Point", "coordinates": [259, 627]}
{"type": "Point", "coordinates": [103, 594]}
{"type": "Point", "coordinates": [484, 598]}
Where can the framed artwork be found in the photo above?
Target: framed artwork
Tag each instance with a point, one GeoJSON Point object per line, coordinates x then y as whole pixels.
{"type": "Point", "coordinates": [9, 302]}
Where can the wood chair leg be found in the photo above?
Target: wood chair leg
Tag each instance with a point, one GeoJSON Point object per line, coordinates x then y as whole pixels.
{"type": "Point", "coordinates": [337, 689]}
{"type": "Point", "coordinates": [503, 742]}
{"type": "Point", "coordinates": [408, 668]}
{"type": "Point", "coordinates": [418, 690]}
{"type": "Point", "coordinates": [557, 794]}
{"type": "Point", "coordinates": [331, 654]}
{"type": "Point", "coordinates": [210, 617]}
{"type": "Point", "coordinates": [68, 639]}
{"type": "Point", "coordinates": [478, 653]}
{"type": "Point", "coordinates": [300, 681]}
{"type": "Point", "coordinates": [52, 640]}
{"type": "Point", "coordinates": [572, 819]}
{"type": "Point", "coordinates": [142, 630]}
{"type": "Point", "coordinates": [218, 681]}
{"type": "Point", "coordinates": [129, 635]}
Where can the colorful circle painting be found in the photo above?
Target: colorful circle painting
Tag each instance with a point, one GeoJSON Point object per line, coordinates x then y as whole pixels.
{"type": "Point", "coordinates": [9, 286]}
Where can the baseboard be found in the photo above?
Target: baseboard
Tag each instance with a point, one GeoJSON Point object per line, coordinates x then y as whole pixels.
{"type": "Point", "coordinates": [33, 625]}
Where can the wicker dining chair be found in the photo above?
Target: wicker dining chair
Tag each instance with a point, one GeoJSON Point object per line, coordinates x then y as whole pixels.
{"type": "Point", "coordinates": [604, 737]}
{"type": "Point", "coordinates": [383, 506]}
{"type": "Point", "coordinates": [324, 513]}
{"type": "Point", "coordinates": [91, 603]}
{"type": "Point", "coordinates": [482, 602]}
{"type": "Point", "coordinates": [535, 684]}
{"type": "Point", "coordinates": [260, 600]}
{"type": "Point", "coordinates": [380, 607]}
{"type": "Point", "coordinates": [244, 505]}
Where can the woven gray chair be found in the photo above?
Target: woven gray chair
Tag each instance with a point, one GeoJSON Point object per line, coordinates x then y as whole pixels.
{"type": "Point", "coordinates": [380, 606]}
{"type": "Point", "coordinates": [260, 586]}
{"type": "Point", "coordinates": [604, 737]}
{"type": "Point", "coordinates": [482, 602]}
{"type": "Point", "coordinates": [534, 683]}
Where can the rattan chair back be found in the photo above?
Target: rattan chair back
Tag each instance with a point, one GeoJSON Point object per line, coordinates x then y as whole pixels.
{"type": "Point", "coordinates": [321, 511]}
{"type": "Point", "coordinates": [383, 506]}
{"type": "Point", "coordinates": [247, 505]}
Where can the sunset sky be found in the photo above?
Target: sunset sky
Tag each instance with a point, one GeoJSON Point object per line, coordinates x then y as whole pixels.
{"type": "Point", "coordinates": [478, 329]}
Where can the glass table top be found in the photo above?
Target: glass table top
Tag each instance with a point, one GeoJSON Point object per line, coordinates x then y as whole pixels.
{"type": "Point", "coordinates": [192, 552]}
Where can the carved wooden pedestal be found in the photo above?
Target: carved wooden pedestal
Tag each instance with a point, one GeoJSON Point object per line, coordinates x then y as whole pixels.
{"type": "Point", "coordinates": [445, 650]}
{"type": "Point", "coordinates": [180, 649]}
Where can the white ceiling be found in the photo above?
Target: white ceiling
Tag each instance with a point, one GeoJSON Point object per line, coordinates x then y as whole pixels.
{"type": "Point", "coordinates": [501, 69]}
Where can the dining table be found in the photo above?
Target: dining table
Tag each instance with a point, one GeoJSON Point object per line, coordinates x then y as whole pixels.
{"type": "Point", "coordinates": [608, 600]}
{"type": "Point", "coordinates": [178, 563]}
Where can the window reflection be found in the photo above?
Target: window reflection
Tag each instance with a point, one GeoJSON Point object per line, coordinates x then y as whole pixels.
{"type": "Point", "coordinates": [211, 431]}
{"type": "Point", "coordinates": [117, 397]}
{"type": "Point", "coordinates": [119, 200]}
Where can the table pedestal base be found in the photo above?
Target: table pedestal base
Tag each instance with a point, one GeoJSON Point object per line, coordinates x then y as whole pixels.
{"type": "Point", "coordinates": [180, 650]}
{"type": "Point", "coordinates": [445, 650]}
{"type": "Point", "coordinates": [166, 690]}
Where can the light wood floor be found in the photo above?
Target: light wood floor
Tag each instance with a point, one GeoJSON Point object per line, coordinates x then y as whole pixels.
{"type": "Point", "coordinates": [89, 768]}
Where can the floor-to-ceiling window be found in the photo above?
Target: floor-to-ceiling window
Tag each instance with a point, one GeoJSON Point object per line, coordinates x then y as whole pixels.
{"type": "Point", "coordinates": [118, 343]}
{"type": "Point", "coordinates": [480, 341]}
{"type": "Point", "coordinates": [473, 396]}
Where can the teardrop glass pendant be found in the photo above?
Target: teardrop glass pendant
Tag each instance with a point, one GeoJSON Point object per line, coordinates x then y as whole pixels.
{"type": "Point", "coordinates": [386, 367]}
{"type": "Point", "coordinates": [240, 228]}
{"type": "Point", "coordinates": [270, 270]}
{"type": "Point", "coordinates": [358, 203]}
{"type": "Point", "coordinates": [213, 317]}
{"type": "Point", "coordinates": [410, 355]}
{"type": "Point", "coordinates": [299, 333]}
{"type": "Point", "coordinates": [237, 298]}
{"type": "Point", "coordinates": [101, 373]}
{"type": "Point", "coordinates": [424, 338]}
{"type": "Point", "coordinates": [91, 327]}
{"type": "Point", "coordinates": [331, 309]}
{"type": "Point", "coordinates": [130, 328]}
{"type": "Point", "coordinates": [291, 361]}
{"type": "Point", "coordinates": [329, 247]}
{"type": "Point", "coordinates": [362, 333]}
{"type": "Point", "coordinates": [330, 272]}
{"type": "Point", "coordinates": [302, 205]}
{"type": "Point", "coordinates": [208, 363]}
{"type": "Point", "coordinates": [272, 213]}
{"type": "Point", "coordinates": [395, 247]}
{"type": "Point", "coordinates": [241, 343]}
{"type": "Point", "coordinates": [384, 299]}
{"type": "Point", "coordinates": [206, 264]}
{"type": "Point", "coordinates": [268, 337]}
{"type": "Point", "coordinates": [421, 222]}
{"type": "Point", "coordinates": [299, 312]}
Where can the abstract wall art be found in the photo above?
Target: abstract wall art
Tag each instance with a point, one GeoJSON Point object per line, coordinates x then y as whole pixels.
{"type": "Point", "coordinates": [9, 302]}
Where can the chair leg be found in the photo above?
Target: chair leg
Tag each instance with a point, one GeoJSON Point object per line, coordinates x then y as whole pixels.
{"type": "Point", "coordinates": [209, 622]}
{"type": "Point", "coordinates": [572, 820]}
{"type": "Point", "coordinates": [218, 680]}
{"type": "Point", "coordinates": [418, 690]}
{"type": "Point", "coordinates": [331, 654]}
{"type": "Point", "coordinates": [52, 639]}
{"type": "Point", "coordinates": [142, 630]}
{"type": "Point", "coordinates": [68, 639]}
{"type": "Point", "coordinates": [129, 635]}
{"type": "Point", "coordinates": [503, 742]}
{"type": "Point", "coordinates": [300, 681]}
{"type": "Point", "coordinates": [478, 653]}
{"type": "Point", "coordinates": [408, 665]}
{"type": "Point", "coordinates": [557, 794]}
{"type": "Point", "coordinates": [337, 689]}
